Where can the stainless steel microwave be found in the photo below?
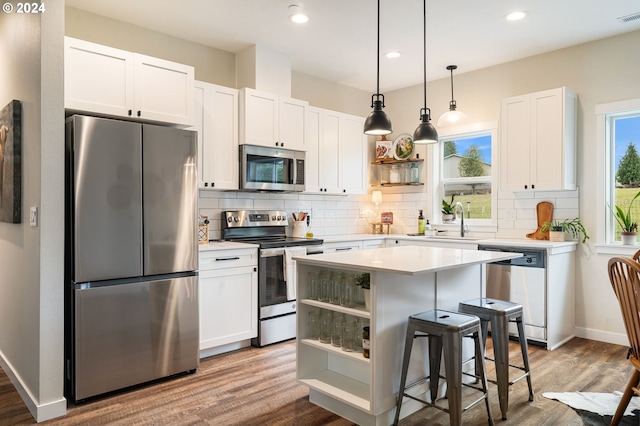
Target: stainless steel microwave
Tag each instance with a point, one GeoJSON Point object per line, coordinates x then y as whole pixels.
{"type": "Point", "coordinates": [271, 169]}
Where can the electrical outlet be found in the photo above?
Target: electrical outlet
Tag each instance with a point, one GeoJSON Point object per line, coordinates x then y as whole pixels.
{"type": "Point", "coordinates": [33, 216]}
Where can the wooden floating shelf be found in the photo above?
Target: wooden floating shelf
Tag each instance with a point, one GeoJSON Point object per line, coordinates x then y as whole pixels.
{"type": "Point", "coordinates": [394, 161]}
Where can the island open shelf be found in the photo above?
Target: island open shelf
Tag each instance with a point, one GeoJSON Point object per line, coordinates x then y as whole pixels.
{"type": "Point", "coordinates": [404, 280]}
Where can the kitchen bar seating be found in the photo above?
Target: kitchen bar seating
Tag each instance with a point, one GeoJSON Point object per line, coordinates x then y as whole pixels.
{"type": "Point", "coordinates": [624, 274]}
{"type": "Point", "coordinates": [445, 331]}
{"type": "Point", "coordinates": [499, 313]}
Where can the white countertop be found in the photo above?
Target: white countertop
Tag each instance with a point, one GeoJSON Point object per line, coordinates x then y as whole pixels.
{"type": "Point", "coordinates": [224, 245]}
{"type": "Point", "coordinates": [408, 260]}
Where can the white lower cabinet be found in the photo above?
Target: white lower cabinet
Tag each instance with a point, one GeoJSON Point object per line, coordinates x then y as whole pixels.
{"type": "Point", "coordinates": [228, 299]}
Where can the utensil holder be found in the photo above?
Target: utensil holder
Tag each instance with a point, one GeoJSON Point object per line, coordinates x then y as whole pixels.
{"type": "Point", "coordinates": [299, 229]}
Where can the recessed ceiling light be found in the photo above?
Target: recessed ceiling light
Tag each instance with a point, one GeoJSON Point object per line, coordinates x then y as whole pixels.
{"type": "Point", "coordinates": [297, 15]}
{"type": "Point", "coordinates": [516, 16]}
{"type": "Point", "coordinates": [392, 55]}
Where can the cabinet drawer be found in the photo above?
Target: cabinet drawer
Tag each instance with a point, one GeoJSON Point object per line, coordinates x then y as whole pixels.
{"type": "Point", "coordinates": [222, 259]}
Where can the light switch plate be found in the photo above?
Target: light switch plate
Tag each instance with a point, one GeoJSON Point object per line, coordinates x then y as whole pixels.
{"type": "Point", "coordinates": [33, 216]}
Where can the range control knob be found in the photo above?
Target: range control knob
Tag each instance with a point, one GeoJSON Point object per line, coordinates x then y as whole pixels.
{"type": "Point", "coordinates": [229, 219]}
{"type": "Point", "coordinates": [236, 219]}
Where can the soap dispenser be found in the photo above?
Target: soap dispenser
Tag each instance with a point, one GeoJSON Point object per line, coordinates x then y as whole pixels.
{"type": "Point", "coordinates": [421, 223]}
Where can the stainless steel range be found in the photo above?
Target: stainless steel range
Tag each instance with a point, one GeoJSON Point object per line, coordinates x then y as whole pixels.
{"type": "Point", "coordinates": [276, 298]}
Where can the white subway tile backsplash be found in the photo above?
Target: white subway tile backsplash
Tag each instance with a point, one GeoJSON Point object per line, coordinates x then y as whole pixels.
{"type": "Point", "coordinates": [337, 214]}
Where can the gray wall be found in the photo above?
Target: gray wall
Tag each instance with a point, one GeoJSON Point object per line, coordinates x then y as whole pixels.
{"type": "Point", "coordinates": [31, 329]}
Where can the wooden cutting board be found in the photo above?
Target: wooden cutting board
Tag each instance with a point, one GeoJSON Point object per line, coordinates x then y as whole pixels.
{"type": "Point", "coordinates": [544, 213]}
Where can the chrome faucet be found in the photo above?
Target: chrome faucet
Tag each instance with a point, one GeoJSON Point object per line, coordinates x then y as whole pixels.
{"type": "Point", "coordinates": [455, 211]}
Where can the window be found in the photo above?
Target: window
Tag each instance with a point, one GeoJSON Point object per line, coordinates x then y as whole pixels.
{"type": "Point", "coordinates": [466, 160]}
{"type": "Point", "coordinates": [619, 133]}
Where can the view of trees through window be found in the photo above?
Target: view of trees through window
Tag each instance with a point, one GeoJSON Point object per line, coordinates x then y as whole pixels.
{"type": "Point", "coordinates": [626, 137]}
{"type": "Point", "coordinates": [466, 166]}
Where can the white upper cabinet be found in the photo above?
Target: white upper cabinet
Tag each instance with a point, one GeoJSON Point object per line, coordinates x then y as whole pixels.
{"type": "Point", "coordinates": [353, 155]}
{"type": "Point", "coordinates": [112, 82]}
{"type": "Point", "coordinates": [538, 141]}
{"type": "Point", "coordinates": [216, 121]}
{"type": "Point", "coordinates": [336, 153]}
{"type": "Point", "coordinates": [271, 120]}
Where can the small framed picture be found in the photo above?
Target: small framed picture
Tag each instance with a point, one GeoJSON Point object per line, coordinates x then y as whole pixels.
{"type": "Point", "coordinates": [386, 218]}
{"type": "Point", "coordinates": [383, 150]}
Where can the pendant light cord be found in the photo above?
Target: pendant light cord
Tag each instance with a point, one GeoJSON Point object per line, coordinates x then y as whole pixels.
{"type": "Point", "coordinates": [378, 55]}
{"type": "Point", "coordinates": [451, 68]}
{"type": "Point", "coordinates": [425, 55]}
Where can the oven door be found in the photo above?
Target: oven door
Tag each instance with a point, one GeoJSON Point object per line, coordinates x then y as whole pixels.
{"type": "Point", "coordinates": [272, 287]}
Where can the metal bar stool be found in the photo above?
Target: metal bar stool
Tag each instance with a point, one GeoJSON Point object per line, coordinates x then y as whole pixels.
{"type": "Point", "coordinates": [445, 331]}
{"type": "Point", "coordinates": [499, 313]}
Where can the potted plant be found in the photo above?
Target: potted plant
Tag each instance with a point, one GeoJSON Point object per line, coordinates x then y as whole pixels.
{"type": "Point", "coordinates": [629, 233]}
{"type": "Point", "coordinates": [363, 280]}
{"type": "Point", "coordinates": [557, 229]}
{"type": "Point", "coordinates": [447, 209]}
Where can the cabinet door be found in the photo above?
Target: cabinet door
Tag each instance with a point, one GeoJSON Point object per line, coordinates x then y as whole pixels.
{"type": "Point", "coordinates": [352, 155]}
{"type": "Point", "coordinates": [328, 154]}
{"type": "Point", "coordinates": [228, 303]}
{"type": "Point", "coordinates": [258, 118]}
{"type": "Point", "coordinates": [515, 142]}
{"type": "Point", "coordinates": [291, 128]}
{"type": "Point", "coordinates": [314, 142]}
{"type": "Point", "coordinates": [97, 78]}
{"type": "Point", "coordinates": [199, 113]}
{"type": "Point", "coordinates": [553, 152]}
{"type": "Point", "coordinates": [223, 140]}
{"type": "Point", "coordinates": [163, 90]}
{"type": "Point", "coordinates": [216, 121]}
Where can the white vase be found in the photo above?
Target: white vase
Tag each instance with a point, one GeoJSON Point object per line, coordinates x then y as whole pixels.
{"type": "Point", "coordinates": [367, 298]}
{"type": "Point", "coordinates": [629, 238]}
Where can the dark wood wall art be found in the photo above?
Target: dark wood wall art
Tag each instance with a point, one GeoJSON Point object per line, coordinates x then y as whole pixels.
{"type": "Point", "coordinates": [11, 162]}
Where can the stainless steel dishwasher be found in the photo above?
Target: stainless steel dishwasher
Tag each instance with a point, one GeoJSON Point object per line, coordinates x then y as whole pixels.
{"type": "Point", "coordinates": [521, 280]}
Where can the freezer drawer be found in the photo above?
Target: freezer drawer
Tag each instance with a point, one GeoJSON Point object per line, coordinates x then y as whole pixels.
{"type": "Point", "coordinates": [128, 334]}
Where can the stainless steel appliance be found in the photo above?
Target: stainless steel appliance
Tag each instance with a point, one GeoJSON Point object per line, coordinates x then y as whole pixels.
{"type": "Point", "coordinates": [521, 280]}
{"type": "Point", "coordinates": [271, 169]}
{"type": "Point", "coordinates": [131, 289]}
{"type": "Point", "coordinates": [277, 307]}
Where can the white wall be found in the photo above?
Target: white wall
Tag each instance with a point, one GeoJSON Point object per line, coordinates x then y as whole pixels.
{"type": "Point", "coordinates": [31, 302]}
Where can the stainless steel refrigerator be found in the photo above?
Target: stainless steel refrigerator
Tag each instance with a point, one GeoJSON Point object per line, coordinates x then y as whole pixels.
{"type": "Point", "coordinates": [131, 296]}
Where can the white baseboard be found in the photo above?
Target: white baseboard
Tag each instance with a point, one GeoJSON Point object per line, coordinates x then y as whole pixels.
{"type": "Point", "coordinates": [602, 336]}
{"type": "Point", "coordinates": [204, 353]}
{"type": "Point", "coordinates": [40, 412]}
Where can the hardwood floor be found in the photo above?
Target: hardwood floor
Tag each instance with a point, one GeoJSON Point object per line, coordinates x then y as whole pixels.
{"type": "Point", "coordinates": [257, 386]}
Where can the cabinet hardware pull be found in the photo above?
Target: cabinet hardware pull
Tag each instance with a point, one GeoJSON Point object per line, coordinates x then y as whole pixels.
{"type": "Point", "coordinates": [130, 112]}
{"type": "Point", "coordinates": [533, 186]}
{"type": "Point", "coordinates": [343, 249]}
{"type": "Point", "coordinates": [139, 113]}
{"type": "Point", "coordinates": [227, 258]}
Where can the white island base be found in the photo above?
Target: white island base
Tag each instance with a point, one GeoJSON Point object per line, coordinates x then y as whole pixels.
{"type": "Point", "coordinates": [405, 280]}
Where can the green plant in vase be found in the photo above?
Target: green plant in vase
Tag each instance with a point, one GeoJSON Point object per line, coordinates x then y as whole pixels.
{"type": "Point", "coordinates": [447, 209]}
{"type": "Point", "coordinates": [629, 227]}
{"type": "Point", "coordinates": [572, 226]}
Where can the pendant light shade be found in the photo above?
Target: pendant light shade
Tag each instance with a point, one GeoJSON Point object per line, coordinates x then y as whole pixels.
{"type": "Point", "coordinates": [452, 116]}
{"type": "Point", "coordinates": [377, 123]}
{"type": "Point", "coordinates": [425, 133]}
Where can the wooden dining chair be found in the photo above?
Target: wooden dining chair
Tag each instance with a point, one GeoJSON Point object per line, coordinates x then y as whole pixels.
{"type": "Point", "coordinates": [624, 274]}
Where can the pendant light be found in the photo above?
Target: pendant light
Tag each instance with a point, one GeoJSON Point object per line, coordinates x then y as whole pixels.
{"type": "Point", "coordinates": [377, 123]}
{"type": "Point", "coordinates": [425, 132]}
{"type": "Point", "coordinates": [452, 116]}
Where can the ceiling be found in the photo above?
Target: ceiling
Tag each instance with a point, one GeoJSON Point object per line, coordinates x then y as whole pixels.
{"type": "Point", "coordinates": [339, 41]}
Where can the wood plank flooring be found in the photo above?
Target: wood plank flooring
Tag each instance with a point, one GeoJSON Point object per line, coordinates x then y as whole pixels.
{"type": "Point", "coordinates": [257, 386]}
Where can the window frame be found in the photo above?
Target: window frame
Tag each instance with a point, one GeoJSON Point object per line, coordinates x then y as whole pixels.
{"type": "Point", "coordinates": [464, 132]}
{"type": "Point", "coordinates": [604, 216]}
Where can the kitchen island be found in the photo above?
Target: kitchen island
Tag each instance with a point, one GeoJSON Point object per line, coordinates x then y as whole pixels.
{"type": "Point", "coordinates": [404, 280]}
